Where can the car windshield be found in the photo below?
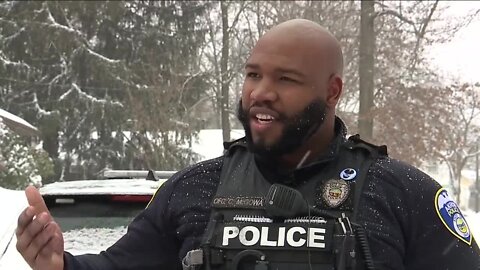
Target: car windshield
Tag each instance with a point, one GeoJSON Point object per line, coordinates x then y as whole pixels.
{"type": "Point", "coordinates": [90, 227]}
{"type": "Point", "coordinates": [87, 215]}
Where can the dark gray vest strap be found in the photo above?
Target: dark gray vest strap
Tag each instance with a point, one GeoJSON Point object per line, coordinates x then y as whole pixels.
{"type": "Point", "coordinates": [372, 153]}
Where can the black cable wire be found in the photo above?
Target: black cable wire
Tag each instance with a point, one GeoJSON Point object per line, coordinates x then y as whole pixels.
{"type": "Point", "coordinates": [361, 236]}
{"type": "Point", "coordinates": [309, 252]}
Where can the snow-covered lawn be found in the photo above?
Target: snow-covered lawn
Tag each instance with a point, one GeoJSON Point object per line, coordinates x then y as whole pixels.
{"type": "Point", "coordinates": [13, 203]}
{"type": "Point", "coordinates": [81, 241]}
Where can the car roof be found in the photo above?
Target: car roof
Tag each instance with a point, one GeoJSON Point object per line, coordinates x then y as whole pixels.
{"type": "Point", "coordinates": [102, 187]}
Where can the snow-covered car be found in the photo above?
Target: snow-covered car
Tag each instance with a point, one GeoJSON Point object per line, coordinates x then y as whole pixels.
{"type": "Point", "coordinates": [85, 208]}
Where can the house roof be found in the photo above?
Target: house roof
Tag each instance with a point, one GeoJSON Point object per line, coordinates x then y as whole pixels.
{"type": "Point", "coordinates": [17, 124]}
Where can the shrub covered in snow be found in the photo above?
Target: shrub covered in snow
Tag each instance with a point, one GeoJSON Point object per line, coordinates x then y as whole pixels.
{"type": "Point", "coordinates": [21, 162]}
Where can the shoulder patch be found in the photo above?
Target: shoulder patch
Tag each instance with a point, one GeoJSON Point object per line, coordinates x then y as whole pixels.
{"type": "Point", "coordinates": [450, 215]}
{"type": "Point", "coordinates": [153, 197]}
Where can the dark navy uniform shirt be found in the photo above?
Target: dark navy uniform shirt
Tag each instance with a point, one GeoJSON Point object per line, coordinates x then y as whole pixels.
{"type": "Point", "coordinates": [410, 222]}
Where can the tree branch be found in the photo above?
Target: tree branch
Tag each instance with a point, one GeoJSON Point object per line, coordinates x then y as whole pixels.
{"type": "Point", "coordinates": [397, 15]}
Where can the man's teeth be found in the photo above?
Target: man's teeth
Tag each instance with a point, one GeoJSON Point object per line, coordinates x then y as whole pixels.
{"type": "Point", "coordinates": [264, 117]}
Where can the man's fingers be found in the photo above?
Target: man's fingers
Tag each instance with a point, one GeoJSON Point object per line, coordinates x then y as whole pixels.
{"type": "Point", "coordinates": [31, 231]}
{"type": "Point", "coordinates": [53, 251]}
{"type": "Point", "coordinates": [24, 219]}
{"type": "Point", "coordinates": [35, 199]}
{"type": "Point", "coordinates": [53, 246]}
{"type": "Point", "coordinates": [40, 241]}
{"type": "Point", "coordinates": [39, 238]}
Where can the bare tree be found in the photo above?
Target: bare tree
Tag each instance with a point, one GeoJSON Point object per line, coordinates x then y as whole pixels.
{"type": "Point", "coordinates": [462, 133]}
{"type": "Point", "coordinates": [219, 55]}
{"type": "Point", "coordinates": [366, 68]}
{"type": "Point", "coordinates": [367, 50]}
{"type": "Point", "coordinates": [225, 82]}
{"type": "Point", "coordinates": [403, 90]}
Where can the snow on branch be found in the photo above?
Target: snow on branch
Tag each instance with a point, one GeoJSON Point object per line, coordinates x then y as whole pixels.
{"type": "Point", "coordinates": [40, 110]}
{"type": "Point", "coordinates": [14, 36]}
{"type": "Point", "coordinates": [90, 98]}
{"type": "Point", "coordinates": [7, 62]}
{"type": "Point", "coordinates": [179, 123]}
{"type": "Point", "coordinates": [66, 94]}
{"type": "Point", "coordinates": [399, 16]}
{"type": "Point", "coordinates": [56, 79]}
{"type": "Point", "coordinates": [55, 24]}
{"type": "Point", "coordinates": [185, 83]}
{"type": "Point", "coordinates": [101, 57]}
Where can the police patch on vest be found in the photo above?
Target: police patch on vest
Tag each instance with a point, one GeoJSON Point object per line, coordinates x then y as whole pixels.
{"type": "Point", "coordinates": [293, 236]}
{"type": "Point", "coordinates": [335, 192]}
{"type": "Point", "coordinates": [450, 215]}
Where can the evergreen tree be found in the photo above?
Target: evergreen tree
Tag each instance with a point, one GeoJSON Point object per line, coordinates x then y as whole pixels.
{"type": "Point", "coordinates": [108, 83]}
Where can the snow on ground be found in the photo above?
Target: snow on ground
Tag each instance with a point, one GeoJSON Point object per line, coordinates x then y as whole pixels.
{"type": "Point", "coordinates": [81, 241]}
{"type": "Point", "coordinates": [15, 202]}
{"type": "Point", "coordinates": [473, 221]}
{"type": "Point", "coordinates": [209, 144]}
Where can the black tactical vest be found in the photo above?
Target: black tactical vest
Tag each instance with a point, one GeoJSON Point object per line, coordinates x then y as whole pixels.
{"type": "Point", "coordinates": [243, 233]}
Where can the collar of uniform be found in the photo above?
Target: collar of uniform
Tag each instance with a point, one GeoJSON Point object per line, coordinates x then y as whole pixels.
{"type": "Point", "coordinates": [340, 138]}
{"type": "Point", "coordinates": [274, 173]}
{"type": "Point", "coordinates": [229, 146]}
{"type": "Point", "coordinates": [332, 150]}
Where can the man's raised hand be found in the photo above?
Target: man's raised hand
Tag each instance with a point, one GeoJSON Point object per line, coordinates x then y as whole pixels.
{"type": "Point", "coordinates": [39, 238]}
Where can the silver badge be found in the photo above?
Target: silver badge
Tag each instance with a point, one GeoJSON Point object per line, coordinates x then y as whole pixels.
{"type": "Point", "coordinates": [335, 192]}
{"type": "Point", "coordinates": [348, 174]}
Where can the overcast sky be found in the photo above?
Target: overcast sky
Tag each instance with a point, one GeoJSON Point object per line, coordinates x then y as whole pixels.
{"type": "Point", "coordinates": [460, 58]}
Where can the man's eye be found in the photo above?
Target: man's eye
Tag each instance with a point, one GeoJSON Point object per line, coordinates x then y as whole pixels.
{"type": "Point", "coordinates": [253, 75]}
{"type": "Point", "coordinates": [288, 79]}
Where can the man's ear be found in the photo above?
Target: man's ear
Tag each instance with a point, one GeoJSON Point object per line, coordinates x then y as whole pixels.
{"type": "Point", "coordinates": [335, 88]}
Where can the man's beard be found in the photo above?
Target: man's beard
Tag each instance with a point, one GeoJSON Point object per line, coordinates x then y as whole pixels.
{"type": "Point", "coordinates": [296, 130]}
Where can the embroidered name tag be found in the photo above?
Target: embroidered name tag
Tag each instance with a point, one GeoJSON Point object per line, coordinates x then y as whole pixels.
{"type": "Point", "coordinates": [239, 202]}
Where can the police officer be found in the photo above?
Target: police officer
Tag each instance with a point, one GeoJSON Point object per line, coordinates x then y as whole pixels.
{"type": "Point", "coordinates": [294, 142]}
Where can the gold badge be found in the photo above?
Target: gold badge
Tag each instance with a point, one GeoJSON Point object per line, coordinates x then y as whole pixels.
{"type": "Point", "coordinates": [335, 192]}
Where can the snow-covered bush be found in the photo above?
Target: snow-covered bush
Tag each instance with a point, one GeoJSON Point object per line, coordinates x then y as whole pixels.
{"type": "Point", "coordinates": [21, 162]}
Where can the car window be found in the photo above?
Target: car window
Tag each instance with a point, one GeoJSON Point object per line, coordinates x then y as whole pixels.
{"type": "Point", "coordinates": [93, 223]}
{"type": "Point", "coordinates": [94, 214]}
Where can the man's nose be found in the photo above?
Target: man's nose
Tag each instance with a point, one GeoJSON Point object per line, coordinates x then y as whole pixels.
{"type": "Point", "coordinates": [264, 91]}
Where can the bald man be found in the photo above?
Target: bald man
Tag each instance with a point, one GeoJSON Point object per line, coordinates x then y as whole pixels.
{"type": "Point", "coordinates": [294, 193]}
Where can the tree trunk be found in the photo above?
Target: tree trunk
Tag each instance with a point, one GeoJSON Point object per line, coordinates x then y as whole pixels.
{"type": "Point", "coordinates": [477, 183]}
{"type": "Point", "coordinates": [458, 176]}
{"type": "Point", "coordinates": [366, 64]}
{"type": "Point", "coordinates": [49, 135]}
{"type": "Point", "coordinates": [224, 73]}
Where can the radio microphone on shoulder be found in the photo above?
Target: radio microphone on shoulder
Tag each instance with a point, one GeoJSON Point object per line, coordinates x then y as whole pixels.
{"type": "Point", "coordinates": [286, 202]}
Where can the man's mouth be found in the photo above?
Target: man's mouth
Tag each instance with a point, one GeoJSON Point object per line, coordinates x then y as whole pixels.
{"type": "Point", "coordinates": [264, 118]}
